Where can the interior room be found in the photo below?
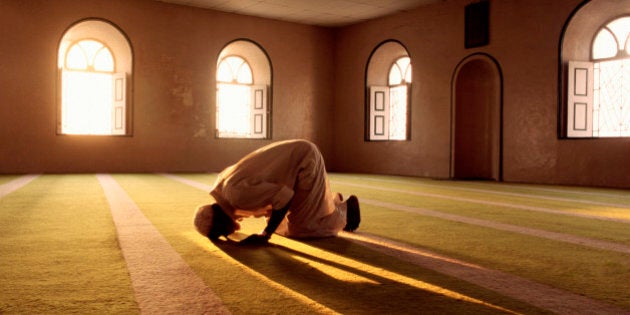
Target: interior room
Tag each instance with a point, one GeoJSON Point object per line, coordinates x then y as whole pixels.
{"type": "Point", "coordinates": [487, 142]}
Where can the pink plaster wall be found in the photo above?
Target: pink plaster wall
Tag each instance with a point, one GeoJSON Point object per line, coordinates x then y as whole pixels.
{"type": "Point", "coordinates": [318, 90]}
{"type": "Point", "coordinates": [524, 40]}
{"type": "Point", "coordinates": [175, 50]}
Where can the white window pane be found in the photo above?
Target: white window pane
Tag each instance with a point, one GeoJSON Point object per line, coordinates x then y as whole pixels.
{"type": "Point", "coordinates": [244, 74]}
{"type": "Point", "coordinates": [89, 54]}
{"type": "Point", "coordinates": [103, 61]}
{"type": "Point", "coordinates": [234, 69]}
{"type": "Point", "coordinates": [234, 62]}
{"type": "Point", "coordinates": [87, 65]}
{"type": "Point", "coordinates": [76, 58]}
{"type": "Point", "coordinates": [224, 72]}
{"type": "Point", "coordinates": [621, 29]}
{"type": "Point", "coordinates": [614, 98]}
{"type": "Point", "coordinates": [233, 110]}
{"type": "Point", "coordinates": [400, 70]}
{"type": "Point", "coordinates": [91, 48]}
{"type": "Point", "coordinates": [395, 77]}
{"type": "Point", "coordinates": [604, 45]}
{"type": "Point", "coordinates": [403, 62]}
{"type": "Point", "coordinates": [87, 99]}
{"type": "Point", "coordinates": [398, 113]}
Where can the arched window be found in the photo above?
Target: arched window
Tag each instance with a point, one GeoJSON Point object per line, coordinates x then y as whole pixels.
{"type": "Point", "coordinates": [234, 110]}
{"type": "Point", "coordinates": [94, 62]}
{"type": "Point", "coordinates": [243, 76]}
{"type": "Point", "coordinates": [599, 89]}
{"type": "Point", "coordinates": [389, 85]}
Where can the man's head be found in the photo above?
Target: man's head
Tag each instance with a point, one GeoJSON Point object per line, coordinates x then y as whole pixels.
{"type": "Point", "coordinates": [212, 221]}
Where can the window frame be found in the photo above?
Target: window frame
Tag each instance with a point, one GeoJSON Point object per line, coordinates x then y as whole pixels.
{"type": "Point", "coordinates": [583, 88]}
{"type": "Point", "coordinates": [116, 41]}
{"type": "Point", "coordinates": [377, 80]}
{"type": "Point", "coordinates": [260, 88]}
{"type": "Point", "coordinates": [574, 44]}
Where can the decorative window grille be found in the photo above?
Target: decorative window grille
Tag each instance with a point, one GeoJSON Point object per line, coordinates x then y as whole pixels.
{"type": "Point", "coordinates": [599, 90]}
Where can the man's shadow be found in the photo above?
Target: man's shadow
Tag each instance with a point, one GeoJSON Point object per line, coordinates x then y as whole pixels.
{"type": "Point", "coordinates": [350, 289]}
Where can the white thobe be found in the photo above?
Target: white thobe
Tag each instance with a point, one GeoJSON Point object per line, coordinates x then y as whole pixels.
{"type": "Point", "coordinates": [288, 172]}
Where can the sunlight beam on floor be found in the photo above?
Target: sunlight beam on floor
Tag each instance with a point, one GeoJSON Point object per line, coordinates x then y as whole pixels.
{"type": "Point", "coordinates": [326, 262]}
{"type": "Point", "coordinates": [334, 259]}
{"type": "Point", "coordinates": [203, 243]}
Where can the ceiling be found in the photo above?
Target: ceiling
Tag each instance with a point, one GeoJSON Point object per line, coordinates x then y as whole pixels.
{"type": "Point", "coordinates": [330, 13]}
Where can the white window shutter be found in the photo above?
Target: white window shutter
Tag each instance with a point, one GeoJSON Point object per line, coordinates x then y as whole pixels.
{"type": "Point", "coordinates": [580, 99]}
{"type": "Point", "coordinates": [379, 113]}
{"type": "Point", "coordinates": [119, 104]}
{"type": "Point", "coordinates": [259, 111]}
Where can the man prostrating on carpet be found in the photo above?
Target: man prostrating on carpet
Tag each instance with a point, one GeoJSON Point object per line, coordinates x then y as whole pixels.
{"type": "Point", "coordinates": [287, 183]}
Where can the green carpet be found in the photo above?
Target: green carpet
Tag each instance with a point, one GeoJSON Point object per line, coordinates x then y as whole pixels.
{"type": "Point", "coordinates": [59, 250]}
{"type": "Point", "coordinates": [283, 278]}
{"type": "Point", "coordinates": [60, 253]}
{"type": "Point", "coordinates": [7, 178]}
{"type": "Point", "coordinates": [599, 274]}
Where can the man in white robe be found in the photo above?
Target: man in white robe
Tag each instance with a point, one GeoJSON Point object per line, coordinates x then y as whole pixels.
{"type": "Point", "coordinates": [287, 182]}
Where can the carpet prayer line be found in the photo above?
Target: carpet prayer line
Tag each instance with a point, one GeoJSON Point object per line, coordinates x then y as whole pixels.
{"type": "Point", "coordinates": [540, 295]}
{"type": "Point", "coordinates": [492, 203]}
{"type": "Point", "coordinates": [165, 285]}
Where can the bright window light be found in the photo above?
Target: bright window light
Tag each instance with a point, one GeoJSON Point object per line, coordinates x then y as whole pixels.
{"type": "Point", "coordinates": [605, 45]}
{"type": "Point", "coordinates": [611, 102]}
{"type": "Point", "coordinates": [395, 75]}
{"type": "Point", "coordinates": [400, 72]}
{"type": "Point", "coordinates": [612, 39]}
{"type": "Point", "coordinates": [76, 58]}
{"type": "Point", "coordinates": [399, 77]}
{"type": "Point", "coordinates": [611, 117]}
{"type": "Point", "coordinates": [233, 110]}
{"type": "Point", "coordinates": [87, 101]}
{"type": "Point", "coordinates": [621, 28]}
{"type": "Point", "coordinates": [234, 70]}
{"type": "Point", "coordinates": [234, 114]}
{"type": "Point", "coordinates": [398, 112]}
{"type": "Point", "coordinates": [87, 89]}
{"type": "Point", "coordinates": [89, 55]}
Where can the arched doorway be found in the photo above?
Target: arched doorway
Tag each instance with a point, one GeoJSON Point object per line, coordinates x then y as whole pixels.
{"type": "Point", "coordinates": [476, 146]}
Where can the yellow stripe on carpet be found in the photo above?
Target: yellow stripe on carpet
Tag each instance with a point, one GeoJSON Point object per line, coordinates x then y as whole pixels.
{"type": "Point", "coordinates": [563, 302]}
{"type": "Point", "coordinates": [290, 275]}
{"type": "Point", "coordinates": [170, 205]}
{"type": "Point", "coordinates": [59, 252]}
{"type": "Point", "coordinates": [11, 184]}
{"type": "Point", "coordinates": [162, 281]}
{"type": "Point", "coordinates": [345, 270]}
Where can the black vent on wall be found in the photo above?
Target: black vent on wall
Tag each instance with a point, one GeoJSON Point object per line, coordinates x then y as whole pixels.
{"type": "Point", "coordinates": [477, 24]}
